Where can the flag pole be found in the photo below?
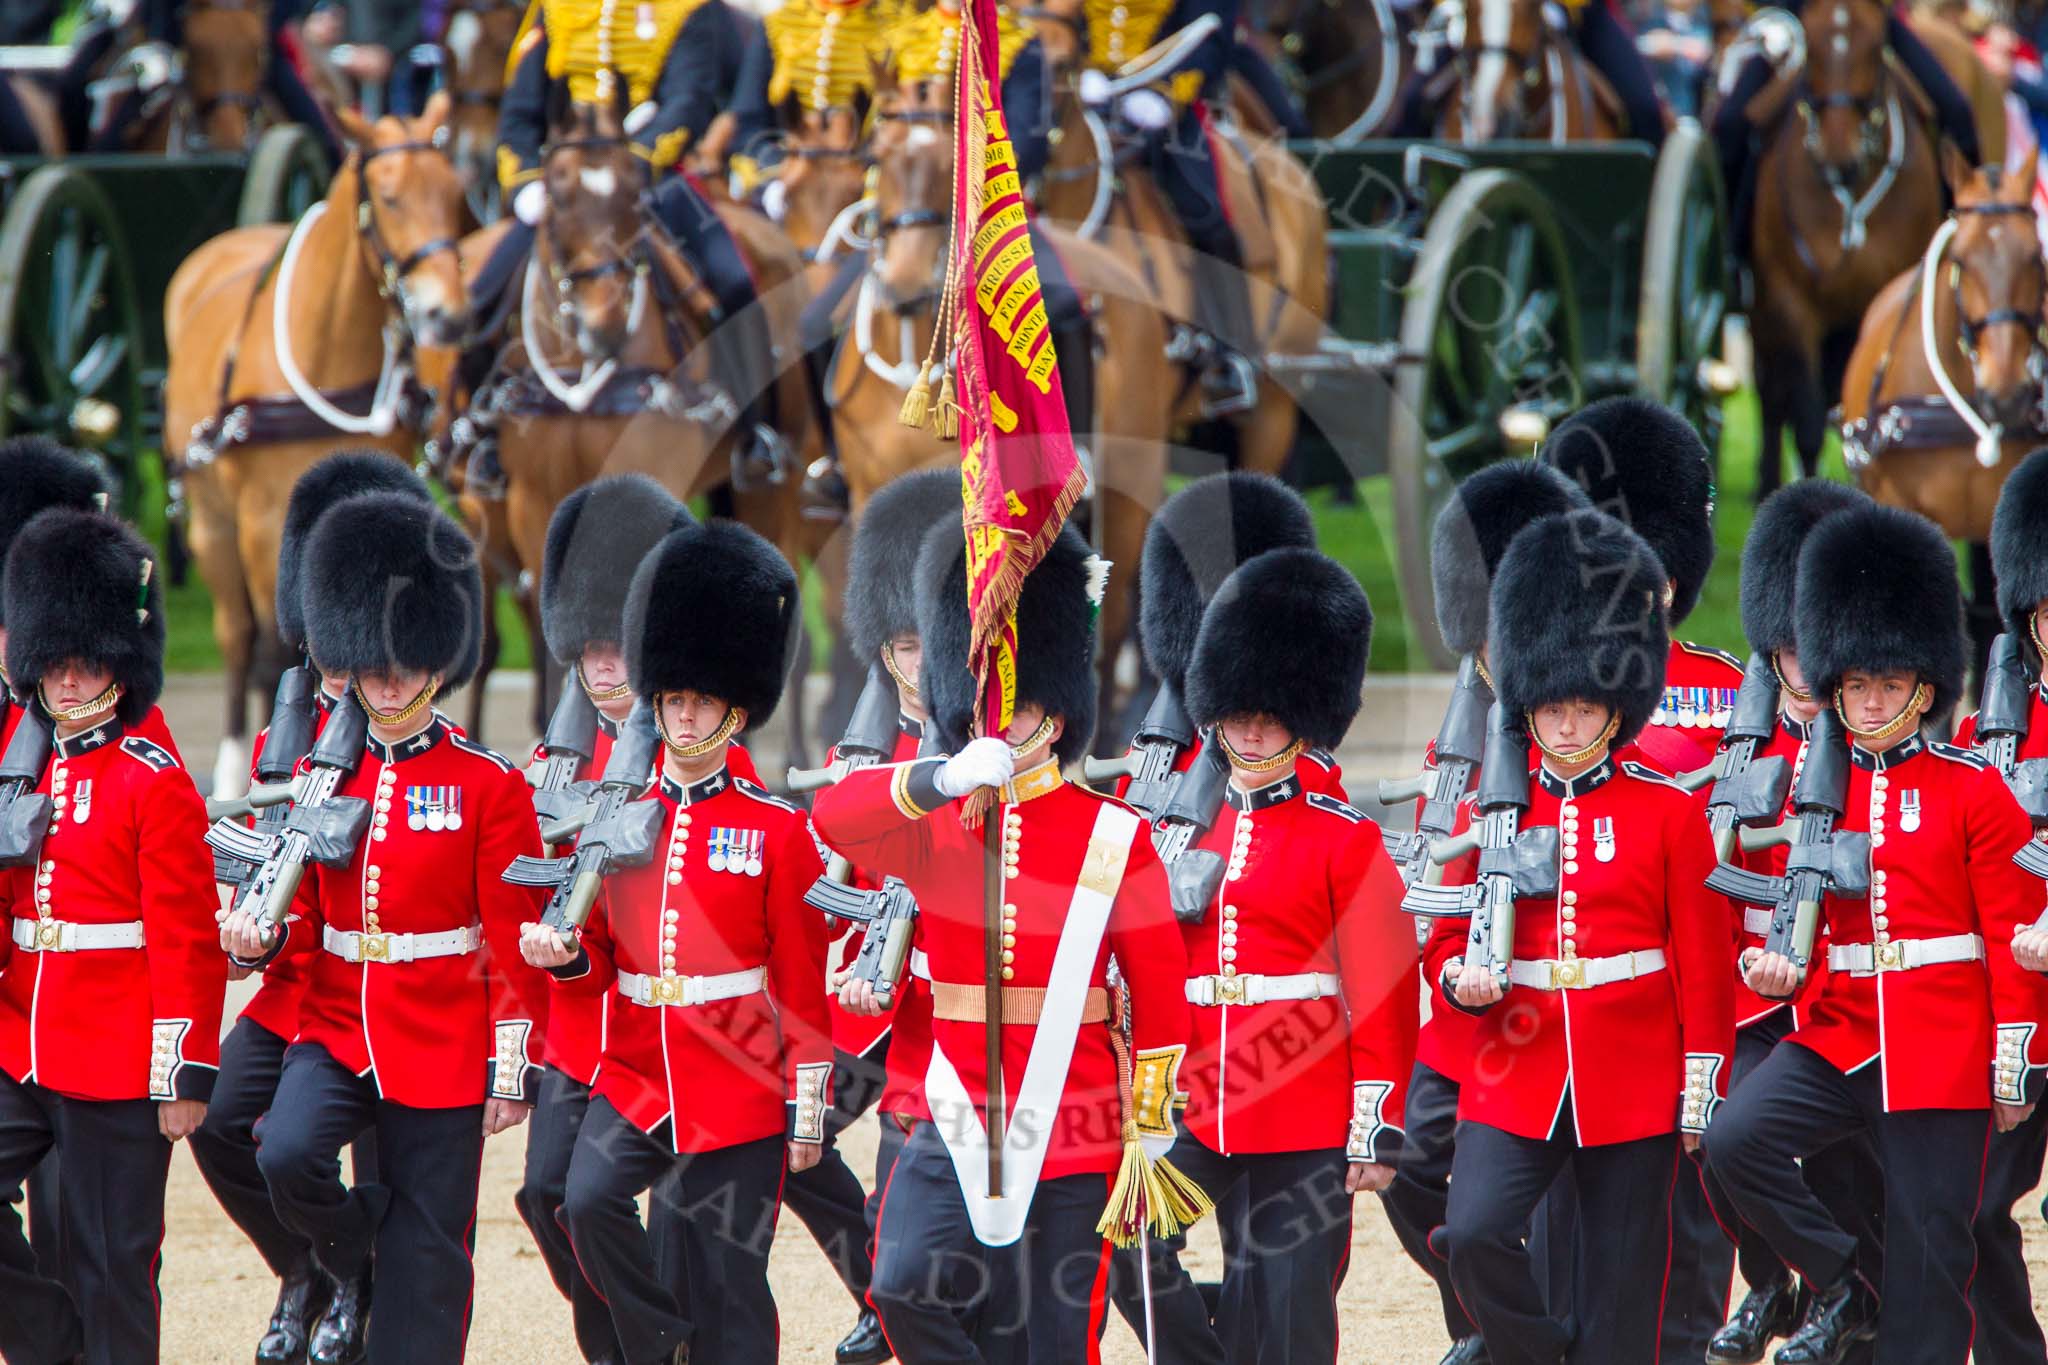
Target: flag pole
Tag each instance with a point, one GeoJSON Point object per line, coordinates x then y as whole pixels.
{"type": "Point", "coordinates": [994, 1105]}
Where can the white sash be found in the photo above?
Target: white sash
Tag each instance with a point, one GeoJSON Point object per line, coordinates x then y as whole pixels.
{"type": "Point", "coordinates": [998, 1220]}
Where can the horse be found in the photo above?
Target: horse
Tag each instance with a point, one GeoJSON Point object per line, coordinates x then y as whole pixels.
{"type": "Point", "coordinates": [1981, 295]}
{"type": "Point", "coordinates": [606, 369]}
{"type": "Point", "coordinates": [478, 44]}
{"type": "Point", "coordinates": [1848, 192]}
{"type": "Point", "coordinates": [894, 317]}
{"type": "Point", "coordinates": [1352, 62]}
{"type": "Point", "coordinates": [1515, 75]}
{"type": "Point", "coordinates": [275, 335]}
{"type": "Point", "coordinates": [210, 94]}
{"type": "Point", "coordinates": [824, 177]}
{"type": "Point", "coordinates": [1100, 191]}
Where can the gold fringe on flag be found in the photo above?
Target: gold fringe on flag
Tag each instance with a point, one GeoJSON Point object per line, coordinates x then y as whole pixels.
{"type": "Point", "coordinates": [1147, 1190]}
{"type": "Point", "coordinates": [917, 403]}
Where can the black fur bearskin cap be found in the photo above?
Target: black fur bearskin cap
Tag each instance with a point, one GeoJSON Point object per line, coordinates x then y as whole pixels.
{"type": "Point", "coordinates": [81, 585]}
{"type": "Point", "coordinates": [1474, 530]}
{"type": "Point", "coordinates": [596, 540]}
{"type": "Point", "coordinates": [713, 609]}
{"type": "Point", "coordinates": [392, 583]}
{"type": "Point", "coordinates": [1770, 557]}
{"type": "Point", "coordinates": [2019, 544]}
{"type": "Point", "coordinates": [1055, 638]}
{"type": "Point", "coordinates": [1877, 591]}
{"type": "Point", "coordinates": [1578, 615]}
{"type": "Point", "coordinates": [1197, 538]}
{"type": "Point", "coordinates": [343, 474]}
{"type": "Point", "coordinates": [1643, 463]}
{"type": "Point", "coordinates": [1287, 635]}
{"type": "Point", "coordinates": [881, 578]}
{"type": "Point", "coordinates": [36, 473]}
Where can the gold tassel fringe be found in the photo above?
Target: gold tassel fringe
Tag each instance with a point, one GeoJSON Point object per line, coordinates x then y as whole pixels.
{"type": "Point", "coordinates": [917, 404]}
{"type": "Point", "coordinates": [946, 416]}
{"type": "Point", "coordinates": [1149, 1191]}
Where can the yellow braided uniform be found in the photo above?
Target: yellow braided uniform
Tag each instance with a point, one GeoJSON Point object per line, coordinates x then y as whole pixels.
{"type": "Point", "coordinates": [926, 46]}
{"type": "Point", "coordinates": [1119, 30]}
{"type": "Point", "coordinates": [823, 49]}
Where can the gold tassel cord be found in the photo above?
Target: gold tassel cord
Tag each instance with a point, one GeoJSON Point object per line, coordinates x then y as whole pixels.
{"type": "Point", "coordinates": [917, 403]}
{"type": "Point", "coordinates": [1146, 1190]}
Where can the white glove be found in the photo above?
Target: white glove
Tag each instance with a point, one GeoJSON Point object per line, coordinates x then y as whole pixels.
{"type": "Point", "coordinates": [530, 203]}
{"type": "Point", "coordinates": [985, 762]}
{"type": "Point", "coordinates": [775, 200]}
{"type": "Point", "coordinates": [1146, 109]}
{"type": "Point", "coordinates": [1093, 88]}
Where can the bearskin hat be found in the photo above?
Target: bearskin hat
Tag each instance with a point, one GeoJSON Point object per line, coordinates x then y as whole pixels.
{"type": "Point", "coordinates": [1287, 635]}
{"type": "Point", "coordinates": [36, 473]}
{"type": "Point", "coordinates": [1877, 590]}
{"type": "Point", "coordinates": [1643, 463]}
{"type": "Point", "coordinates": [391, 583]}
{"type": "Point", "coordinates": [340, 475]}
{"type": "Point", "coordinates": [81, 585]}
{"type": "Point", "coordinates": [596, 539]}
{"type": "Point", "coordinates": [1770, 557]}
{"type": "Point", "coordinates": [881, 579]}
{"type": "Point", "coordinates": [1473, 531]}
{"type": "Point", "coordinates": [1197, 538]}
{"type": "Point", "coordinates": [713, 609]}
{"type": "Point", "coordinates": [1055, 638]}
{"type": "Point", "coordinates": [1577, 613]}
{"type": "Point", "coordinates": [2019, 543]}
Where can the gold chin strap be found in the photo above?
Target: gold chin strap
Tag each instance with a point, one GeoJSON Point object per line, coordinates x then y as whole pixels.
{"type": "Point", "coordinates": [1585, 755]}
{"type": "Point", "coordinates": [2033, 631]}
{"type": "Point", "coordinates": [624, 689]}
{"type": "Point", "coordinates": [1036, 738]}
{"type": "Point", "coordinates": [403, 713]}
{"type": "Point", "coordinates": [889, 663]}
{"type": "Point", "coordinates": [725, 731]}
{"type": "Point", "coordinates": [1260, 765]}
{"type": "Point", "coordinates": [1485, 673]}
{"type": "Point", "coordinates": [1909, 715]}
{"type": "Point", "coordinates": [1779, 674]}
{"type": "Point", "coordinates": [85, 710]}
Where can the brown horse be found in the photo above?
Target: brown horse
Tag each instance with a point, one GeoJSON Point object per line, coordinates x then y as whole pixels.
{"type": "Point", "coordinates": [824, 174]}
{"type": "Point", "coordinates": [1515, 76]}
{"type": "Point", "coordinates": [1848, 192]}
{"type": "Point", "coordinates": [476, 47]}
{"type": "Point", "coordinates": [1982, 294]}
{"type": "Point", "coordinates": [1279, 215]}
{"type": "Point", "coordinates": [892, 331]}
{"type": "Point", "coordinates": [213, 97]}
{"type": "Point", "coordinates": [1354, 61]}
{"type": "Point", "coordinates": [271, 327]}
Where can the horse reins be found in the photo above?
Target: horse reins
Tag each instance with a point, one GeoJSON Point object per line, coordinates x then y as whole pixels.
{"type": "Point", "coordinates": [2035, 323]}
{"type": "Point", "coordinates": [391, 268]}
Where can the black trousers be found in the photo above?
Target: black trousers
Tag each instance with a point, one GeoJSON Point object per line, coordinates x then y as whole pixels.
{"type": "Point", "coordinates": [946, 1299]}
{"type": "Point", "coordinates": [2008, 1333]}
{"type": "Point", "coordinates": [894, 1135]}
{"type": "Point", "coordinates": [224, 1148]}
{"type": "Point", "coordinates": [829, 1199]}
{"type": "Point", "coordinates": [725, 1203]}
{"type": "Point", "coordinates": [1797, 1104]}
{"type": "Point", "coordinates": [1421, 1191]}
{"type": "Point", "coordinates": [1624, 1209]}
{"type": "Point", "coordinates": [112, 1212]}
{"type": "Point", "coordinates": [418, 1218]}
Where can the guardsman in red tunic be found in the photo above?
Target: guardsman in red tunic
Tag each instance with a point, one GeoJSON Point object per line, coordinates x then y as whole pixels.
{"type": "Point", "coordinates": [1643, 464]}
{"type": "Point", "coordinates": [419, 1017]}
{"type": "Point", "coordinates": [1922, 983]}
{"type": "Point", "coordinates": [717, 1053]}
{"type": "Point", "coordinates": [1079, 882]}
{"type": "Point", "coordinates": [315, 1318]}
{"type": "Point", "coordinates": [110, 987]}
{"type": "Point", "coordinates": [1471, 534]}
{"type": "Point", "coordinates": [1301, 968]}
{"type": "Point", "coordinates": [1608, 1044]}
{"type": "Point", "coordinates": [1844, 1175]}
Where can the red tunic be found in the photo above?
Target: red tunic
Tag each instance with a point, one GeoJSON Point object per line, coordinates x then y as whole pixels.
{"type": "Point", "coordinates": [1700, 684]}
{"type": "Point", "coordinates": [125, 843]}
{"type": "Point", "coordinates": [1943, 830]}
{"type": "Point", "coordinates": [1313, 892]}
{"type": "Point", "coordinates": [1635, 861]}
{"type": "Point", "coordinates": [859, 1034]}
{"type": "Point", "coordinates": [437, 1032]}
{"type": "Point", "coordinates": [725, 1071]}
{"type": "Point", "coordinates": [879, 823]}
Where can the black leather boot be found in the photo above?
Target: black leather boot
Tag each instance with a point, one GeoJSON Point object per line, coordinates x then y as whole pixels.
{"type": "Point", "coordinates": [300, 1298]}
{"type": "Point", "coordinates": [1766, 1313]}
{"type": "Point", "coordinates": [339, 1336]}
{"type": "Point", "coordinates": [1467, 1351]}
{"type": "Point", "coordinates": [865, 1344]}
{"type": "Point", "coordinates": [1839, 1317]}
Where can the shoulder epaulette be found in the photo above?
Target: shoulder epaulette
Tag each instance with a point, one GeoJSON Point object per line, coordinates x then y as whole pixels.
{"type": "Point", "coordinates": [1709, 652]}
{"type": "Point", "coordinates": [1649, 774]}
{"type": "Point", "coordinates": [1111, 797]}
{"type": "Point", "coordinates": [761, 794]}
{"type": "Point", "coordinates": [1335, 807]}
{"type": "Point", "coordinates": [151, 755]}
{"type": "Point", "coordinates": [1956, 755]}
{"type": "Point", "coordinates": [1322, 756]}
{"type": "Point", "coordinates": [470, 746]}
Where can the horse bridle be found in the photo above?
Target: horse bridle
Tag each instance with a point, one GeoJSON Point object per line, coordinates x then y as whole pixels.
{"type": "Point", "coordinates": [2035, 323]}
{"type": "Point", "coordinates": [633, 260]}
{"type": "Point", "coordinates": [391, 267]}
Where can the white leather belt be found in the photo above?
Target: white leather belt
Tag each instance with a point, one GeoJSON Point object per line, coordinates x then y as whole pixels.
{"type": "Point", "coordinates": [1253, 989]}
{"type": "Point", "coordinates": [1904, 954]}
{"type": "Point", "coordinates": [691, 990]}
{"type": "Point", "coordinates": [62, 936]}
{"type": "Point", "coordinates": [920, 964]}
{"type": "Point", "coordinates": [1756, 920]}
{"type": "Point", "coordinates": [351, 947]}
{"type": "Point", "coordinates": [1582, 973]}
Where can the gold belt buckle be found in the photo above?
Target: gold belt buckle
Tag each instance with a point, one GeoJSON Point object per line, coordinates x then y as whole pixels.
{"type": "Point", "coordinates": [1890, 955]}
{"type": "Point", "coordinates": [375, 947]}
{"type": "Point", "coordinates": [1567, 974]}
{"type": "Point", "coordinates": [49, 933]}
{"type": "Point", "coordinates": [666, 990]}
{"type": "Point", "coordinates": [1230, 990]}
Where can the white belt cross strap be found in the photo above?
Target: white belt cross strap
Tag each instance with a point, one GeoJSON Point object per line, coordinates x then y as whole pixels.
{"type": "Point", "coordinates": [1254, 989]}
{"type": "Point", "coordinates": [1756, 920]}
{"type": "Point", "coordinates": [1904, 954]}
{"type": "Point", "coordinates": [654, 991]}
{"type": "Point", "coordinates": [353, 947]}
{"type": "Point", "coordinates": [63, 936]}
{"type": "Point", "coordinates": [1583, 973]}
{"type": "Point", "coordinates": [998, 1217]}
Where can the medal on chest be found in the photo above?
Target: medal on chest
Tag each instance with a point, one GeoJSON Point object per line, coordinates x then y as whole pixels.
{"type": "Point", "coordinates": [433, 809]}
{"type": "Point", "coordinates": [1603, 838]}
{"type": "Point", "coordinates": [737, 851]}
{"type": "Point", "coordinates": [1909, 809]}
{"type": "Point", "coordinates": [81, 801]}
